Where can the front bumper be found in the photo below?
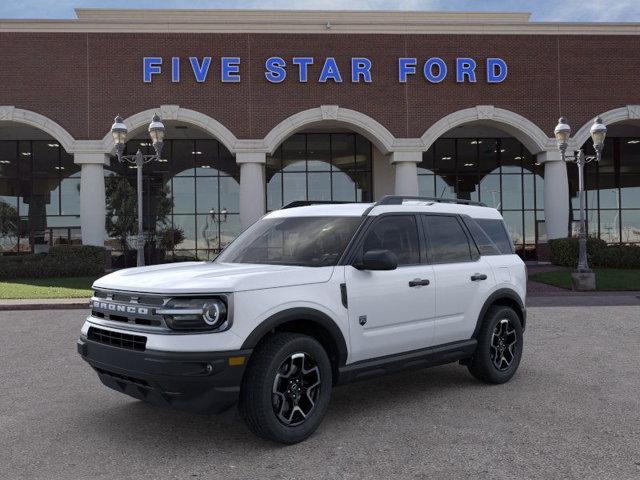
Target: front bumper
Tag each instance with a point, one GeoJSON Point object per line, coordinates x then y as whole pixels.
{"type": "Point", "coordinates": [199, 382]}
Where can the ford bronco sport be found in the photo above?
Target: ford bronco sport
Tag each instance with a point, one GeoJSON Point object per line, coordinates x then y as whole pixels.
{"type": "Point", "coordinates": [308, 298]}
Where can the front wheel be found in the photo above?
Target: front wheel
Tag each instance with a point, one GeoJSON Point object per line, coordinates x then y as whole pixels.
{"type": "Point", "coordinates": [500, 344]}
{"type": "Point", "coordinates": [286, 389]}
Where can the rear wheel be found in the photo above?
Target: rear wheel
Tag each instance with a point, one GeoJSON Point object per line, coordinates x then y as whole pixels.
{"type": "Point", "coordinates": [500, 344]}
{"type": "Point", "coordinates": [286, 389]}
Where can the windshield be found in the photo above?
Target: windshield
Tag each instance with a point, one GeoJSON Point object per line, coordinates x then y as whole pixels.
{"type": "Point", "coordinates": [303, 241]}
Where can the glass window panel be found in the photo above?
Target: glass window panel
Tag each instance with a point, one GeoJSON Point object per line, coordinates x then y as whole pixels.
{"type": "Point", "coordinates": [318, 152]}
{"type": "Point", "coordinates": [274, 192]}
{"type": "Point", "coordinates": [363, 153]}
{"type": "Point", "coordinates": [344, 187]}
{"type": "Point", "coordinates": [630, 191]}
{"type": "Point", "coordinates": [209, 232]}
{"type": "Point", "coordinates": [467, 151]}
{"type": "Point", "coordinates": [510, 155]}
{"type": "Point", "coordinates": [427, 164]}
{"type": "Point", "coordinates": [183, 192]}
{"type": "Point", "coordinates": [363, 186]}
{"type": "Point", "coordinates": [426, 186]}
{"type": "Point", "coordinates": [183, 157]}
{"type": "Point", "coordinates": [70, 196]}
{"type": "Point", "coordinates": [207, 194]}
{"type": "Point", "coordinates": [631, 226]}
{"type": "Point", "coordinates": [206, 157]}
{"type": "Point", "coordinates": [229, 230]}
{"type": "Point", "coordinates": [529, 191]}
{"type": "Point", "coordinates": [46, 159]}
{"type": "Point", "coordinates": [8, 159]}
{"type": "Point", "coordinates": [444, 189]}
{"type": "Point", "coordinates": [468, 187]}
{"type": "Point", "coordinates": [591, 219]}
{"type": "Point", "coordinates": [229, 194]}
{"type": "Point", "coordinates": [9, 218]}
{"type": "Point", "coordinates": [445, 156]}
{"type": "Point", "coordinates": [629, 155]}
{"type": "Point", "coordinates": [490, 191]}
{"type": "Point", "coordinates": [294, 187]}
{"type": "Point", "coordinates": [343, 149]}
{"type": "Point", "coordinates": [319, 186]}
{"type": "Point", "coordinates": [25, 158]}
{"type": "Point", "coordinates": [513, 220]}
{"type": "Point", "coordinates": [610, 226]}
{"type": "Point", "coordinates": [227, 164]}
{"type": "Point", "coordinates": [606, 163]}
{"type": "Point", "coordinates": [488, 155]}
{"type": "Point", "coordinates": [294, 153]}
{"type": "Point", "coordinates": [511, 192]}
{"type": "Point", "coordinates": [67, 167]}
{"type": "Point", "coordinates": [448, 242]}
{"type": "Point", "coordinates": [186, 223]}
{"type": "Point", "coordinates": [397, 234]}
{"type": "Point", "coordinates": [608, 191]}
{"type": "Point", "coordinates": [529, 228]}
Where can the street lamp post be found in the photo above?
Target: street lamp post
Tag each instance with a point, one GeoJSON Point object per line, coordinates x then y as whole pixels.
{"type": "Point", "coordinates": [156, 132]}
{"type": "Point", "coordinates": [583, 277]}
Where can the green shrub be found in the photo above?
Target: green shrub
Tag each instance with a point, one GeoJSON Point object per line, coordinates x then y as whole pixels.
{"type": "Point", "coordinates": [564, 252]}
{"type": "Point", "coordinates": [61, 261]}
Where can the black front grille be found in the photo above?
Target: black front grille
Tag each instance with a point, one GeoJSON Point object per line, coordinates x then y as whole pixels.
{"type": "Point", "coordinates": [117, 339]}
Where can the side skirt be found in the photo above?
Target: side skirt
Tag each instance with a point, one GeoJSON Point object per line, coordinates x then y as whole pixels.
{"type": "Point", "coordinates": [426, 357]}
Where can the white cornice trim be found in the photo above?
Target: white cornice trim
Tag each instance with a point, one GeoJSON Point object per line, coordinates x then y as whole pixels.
{"type": "Point", "coordinates": [307, 21]}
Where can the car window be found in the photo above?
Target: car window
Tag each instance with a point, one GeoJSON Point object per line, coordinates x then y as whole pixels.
{"type": "Point", "coordinates": [397, 233]}
{"type": "Point", "coordinates": [302, 241]}
{"type": "Point", "coordinates": [448, 242]}
{"type": "Point", "coordinates": [486, 246]}
{"type": "Point", "coordinates": [497, 232]}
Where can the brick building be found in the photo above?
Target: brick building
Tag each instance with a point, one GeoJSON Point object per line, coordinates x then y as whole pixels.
{"type": "Point", "coordinates": [263, 108]}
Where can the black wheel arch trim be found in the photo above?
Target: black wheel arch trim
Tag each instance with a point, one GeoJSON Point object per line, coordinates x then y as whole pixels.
{"type": "Point", "coordinates": [296, 314]}
{"type": "Point", "coordinates": [495, 297]}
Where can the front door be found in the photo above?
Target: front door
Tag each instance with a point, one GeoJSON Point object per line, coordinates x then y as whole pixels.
{"type": "Point", "coordinates": [391, 311]}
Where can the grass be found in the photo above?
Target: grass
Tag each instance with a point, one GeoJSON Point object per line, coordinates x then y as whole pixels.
{"type": "Point", "coordinates": [73, 287]}
{"type": "Point", "coordinates": [607, 279]}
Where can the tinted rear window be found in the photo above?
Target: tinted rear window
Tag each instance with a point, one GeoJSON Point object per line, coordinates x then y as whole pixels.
{"type": "Point", "coordinates": [484, 243]}
{"type": "Point", "coordinates": [497, 232]}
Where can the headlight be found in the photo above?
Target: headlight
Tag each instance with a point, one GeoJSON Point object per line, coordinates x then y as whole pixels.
{"type": "Point", "coordinates": [196, 314]}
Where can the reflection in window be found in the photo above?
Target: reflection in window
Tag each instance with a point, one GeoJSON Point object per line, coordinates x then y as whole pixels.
{"type": "Point", "coordinates": [612, 192]}
{"type": "Point", "coordinates": [191, 198]}
{"type": "Point", "coordinates": [499, 172]}
{"type": "Point", "coordinates": [319, 166]}
{"type": "Point", "coordinates": [39, 196]}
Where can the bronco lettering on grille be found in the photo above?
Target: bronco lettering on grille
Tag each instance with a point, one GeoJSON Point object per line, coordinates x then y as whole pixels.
{"type": "Point", "coordinates": [114, 307]}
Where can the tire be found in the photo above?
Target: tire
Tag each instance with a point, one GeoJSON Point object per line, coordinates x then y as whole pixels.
{"type": "Point", "coordinates": [494, 360]}
{"type": "Point", "coordinates": [286, 389]}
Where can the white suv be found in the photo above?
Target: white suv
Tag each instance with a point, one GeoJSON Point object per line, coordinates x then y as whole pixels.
{"type": "Point", "coordinates": [310, 297]}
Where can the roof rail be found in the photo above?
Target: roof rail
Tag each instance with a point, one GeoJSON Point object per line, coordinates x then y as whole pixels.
{"type": "Point", "coordinates": [398, 199]}
{"type": "Point", "coordinates": [307, 203]}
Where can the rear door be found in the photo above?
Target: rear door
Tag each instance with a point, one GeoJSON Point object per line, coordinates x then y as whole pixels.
{"type": "Point", "coordinates": [463, 279]}
{"type": "Point", "coordinates": [391, 311]}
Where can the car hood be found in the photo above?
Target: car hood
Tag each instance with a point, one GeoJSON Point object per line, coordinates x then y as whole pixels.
{"type": "Point", "coordinates": [207, 277]}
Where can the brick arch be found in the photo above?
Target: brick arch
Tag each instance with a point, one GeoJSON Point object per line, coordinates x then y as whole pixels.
{"type": "Point", "coordinates": [617, 115]}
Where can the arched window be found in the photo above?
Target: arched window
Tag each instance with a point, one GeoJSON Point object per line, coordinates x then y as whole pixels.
{"type": "Point", "coordinates": [499, 172]}
{"type": "Point", "coordinates": [320, 166]}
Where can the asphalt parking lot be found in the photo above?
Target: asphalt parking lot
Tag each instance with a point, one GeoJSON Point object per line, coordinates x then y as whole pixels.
{"type": "Point", "coordinates": [572, 411]}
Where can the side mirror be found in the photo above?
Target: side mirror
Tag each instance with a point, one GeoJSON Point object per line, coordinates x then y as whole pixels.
{"type": "Point", "coordinates": [378, 260]}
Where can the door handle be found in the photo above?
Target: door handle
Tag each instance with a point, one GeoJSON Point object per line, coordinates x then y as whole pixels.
{"type": "Point", "coordinates": [478, 276]}
{"type": "Point", "coordinates": [418, 282]}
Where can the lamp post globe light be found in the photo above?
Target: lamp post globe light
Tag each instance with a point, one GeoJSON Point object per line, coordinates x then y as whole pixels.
{"type": "Point", "coordinates": [119, 133]}
{"type": "Point", "coordinates": [583, 278]}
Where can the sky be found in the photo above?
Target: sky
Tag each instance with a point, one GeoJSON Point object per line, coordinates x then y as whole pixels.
{"type": "Point", "coordinates": [542, 10]}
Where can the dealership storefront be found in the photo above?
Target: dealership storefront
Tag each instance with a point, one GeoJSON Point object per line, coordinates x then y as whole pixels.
{"type": "Point", "coordinates": [265, 108]}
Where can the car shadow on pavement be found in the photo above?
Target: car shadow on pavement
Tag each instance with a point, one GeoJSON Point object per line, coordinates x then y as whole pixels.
{"type": "Point", "coordinates": [134, 421]}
